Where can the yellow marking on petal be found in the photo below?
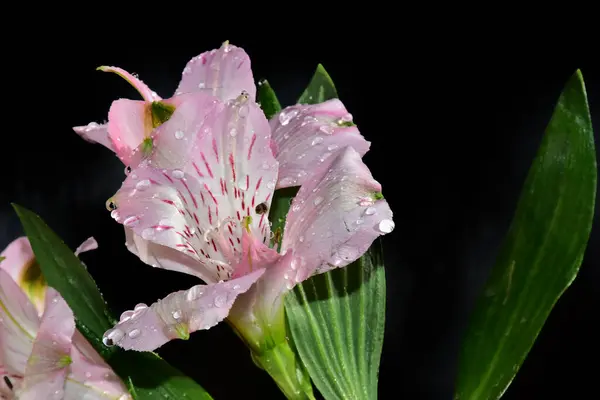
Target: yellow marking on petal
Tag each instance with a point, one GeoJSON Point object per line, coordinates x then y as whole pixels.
{"type": "Point", "coordinates": [65, 361]}
{"type": "Point", "coordinates": [183, 332]}
{"type": "Point", "coordinates": [33, 282]}
{"type": "Point", "coordinates": [2, 258]}
{"type": "Point", "coordinates": [14, 321]}
{"type": "Point", "coordinates": [247, 222]}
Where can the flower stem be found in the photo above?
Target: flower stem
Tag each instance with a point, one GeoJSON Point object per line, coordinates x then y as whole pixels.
{"type": "Point", "coordinates": [287, 371]}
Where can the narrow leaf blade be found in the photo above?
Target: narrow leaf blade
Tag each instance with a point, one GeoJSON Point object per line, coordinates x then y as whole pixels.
{"type": "Point", "coordinates": [267, 99]}
{"type": "Point", "coordinates": [337, 322]}
{"type": "Point", "coordinates": [541, 254]}
{"type": "Point", "coordinates": [320, 88]}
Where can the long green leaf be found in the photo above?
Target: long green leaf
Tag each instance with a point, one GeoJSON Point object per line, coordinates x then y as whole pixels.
{"type": "Point", "coordinates": [320, 88]}
{"type": "Point", "coordinates": [267, 99]}
{"type": "Point", "coordinates": [337, 322]}
{"type": "Point", "coordinates": [541, 255]}
{"type": "Point", "coordinates": [148, 376]}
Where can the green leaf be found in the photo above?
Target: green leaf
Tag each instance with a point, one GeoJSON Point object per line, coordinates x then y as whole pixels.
{"type": "Point", "coordinates": [267, 99]}
{"type": "Point", "coordinates": [320, 88]}
{"type": "Point", "coordinates": [337, 324]}
{"type": "Point", "coordinates": [146, 374]}
{"type": "Point", "coordinates": [541, 254]}
{"type": "Point", "coordinates": [65, 272]}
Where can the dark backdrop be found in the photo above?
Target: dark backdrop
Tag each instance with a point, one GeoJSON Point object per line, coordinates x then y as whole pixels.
{"type": "Point", "coordinates": [453, 128]}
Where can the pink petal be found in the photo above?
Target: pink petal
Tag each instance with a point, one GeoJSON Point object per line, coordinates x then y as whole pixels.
{"type": "Point", "coordinates": [87, 245]}
{"type": "Point", "coordinates": [140, 86]}
{"type": "Point", "coordinates": [306, 135]}
{"type": "Point", "coordinates": [19, 326]}
{"type": "Point", "coordinates": [95, 133]}
{"type": "Point", "coordinates": [90, 376]}
{"type": "Point", "coordinates": [6, 391]}
{"type": "Point", "coordinates": [178, 314]}
{"type": "Point", "coordinates": [164, 257]}
{"type": "Point", "coordinates": [18, 258]}
{"type": "Point", "coordinates": [224, 72]}
{"type": "Point", "coordinates": [200, 208]}
{"type": "Point", "coordinates": [129, 122]}
{"type": "Point", "coordinates": [48, 363]}
{"type": "Point", "coordinates": [336, 215]}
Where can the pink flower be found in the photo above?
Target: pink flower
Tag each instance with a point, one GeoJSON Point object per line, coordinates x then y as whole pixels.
{"type": "Point", "coordinates": [199, 202]}
{"type": "Point", "coordinates": [222, 72]}
{"type": "Point", "coordinates": [42, 355]}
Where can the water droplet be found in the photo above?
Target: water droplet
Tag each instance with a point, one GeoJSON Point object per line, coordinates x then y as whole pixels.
{"type": "Point", "coordinates": [177, 174]}
{"type": "Point", "coordinates": [220, 300]}
{"type": "Point", "coordinates": [193, 293]}
{"type": "Point", "coordinates": [289, 285]}
{"type": "Point", "coordinates": [176, 314]}
{"type": "Point", "coordinates": [294, 264]}
{"type": "Point", "coordinates": [295, 207]}
{"type": "Point", "coordinates": [301, 239]}
{"type": "Point", "coordinates": [370, 211]}
{"type": "Point", "coordinates": [359, 221]}
{"type": "Point", "coordinates": [243, 110]}
{"type": "Point", "coordinates": [386, 226]}
{"type": "Point", "coordinates": [242, 184]}
{"type": "Point", "coordinates": [286, 116]}
{"type": "Point", "coordinates": [233, 132]}
{"type": "Point", "coordinates": [142, 185]}
{"type": "Point", "coordinates": [286, 276]}
{"type": "Point", "coordinates": [326, 129]}
{"type": "Point", "coordinates": [126, 316]}
{"type": "Point", "coordinates": [236, 287]}
{"type": "Point", "coordinates": [179, 134]}
{"type": "Point", "coordinates": [88, 374]}
{"type": "Point", "coordinates": [134, 333]}
{"type": "Point", "coordinates": [148, 233]}
{"type": "Point", "coordinates": [140, 306]}
{"type": "Point", "coordinates": [317, 200]}
{"type": "Point", "coordinates": [131, 221]}
{"type": "Point", "coordinates": [112, 337]}
{"type": "Point", "coordinates": [271, 185]}
{"type": "Point", "coordinates": [317, 140]}
{"type": "Point", "coordinates": [332, 147]}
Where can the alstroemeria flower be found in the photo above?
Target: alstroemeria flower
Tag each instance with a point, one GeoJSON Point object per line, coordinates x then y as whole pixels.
{"type": "Point", "coordinates": [222, 72]}
{"type": "Point", "coordinates": [305, 136]}
{"type": "Point", "coordinates": [42, 355]}
{"type": "Point", "coordinates": [203, 197]}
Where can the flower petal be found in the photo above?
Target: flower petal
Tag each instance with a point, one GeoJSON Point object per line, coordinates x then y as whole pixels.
{"type": "Point", "coordinates": [335, 216]}
{"type": "Point", "coordinates": [129, 122]}
{"type": "Point", "coordinates": [306, 135]}
{"type": "Point", "coordinates": [164, 257]}
{"type": "Point", "coordinates": [90, 377]}
{"type": "Point", "coordinates": [95, 133]}
{"type": "Point", "coordinates": [140, 86]}
{"type": "Point", "coordinates": [50, 356]}
{"type": "Point", "coordinates": [178, 314]}
{"type": "Point", "coordinates": [225, 182]}
{"type": "Point", "coordinates": [89, 244]}
{"type": "Point", "coordinates": [19, 323]}
{"type": "Point", "coordinates": [224, 72]}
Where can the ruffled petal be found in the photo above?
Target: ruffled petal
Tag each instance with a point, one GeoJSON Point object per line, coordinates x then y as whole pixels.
{"type": "Point", "coordinates": [178, 314]}
{"type": "Point", "coordinates": [224, 72]}
{"type": "Point", "coordinates": [223, 185]}
{"type": "Point", "coordinates": [140, 86]}
{"type": "Point", "coordinates": [90, 377]}
{"type": "Point", "coordinates": [305, 136]}
{"type": "Point", "coordinates": [48, 363]}
{"type": "Point", "coordinates": [95, 133]}
{"type": "Point", "coordinates": [19, 323]}
{"type": "Point", "coordinates": [335, 216]}
{"type": "Point", "coordinates": [89, 244]}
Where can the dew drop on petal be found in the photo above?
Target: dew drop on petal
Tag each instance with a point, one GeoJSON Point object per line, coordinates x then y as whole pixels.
{"type": "Point", "coordinates": [131, 221]}
{"type": "Point", "coordinates": [112, 337]}
{"type": "Point", "coordinates": [148, 233]}
{"type": "Point", "coordinates": [126, 316]}
{"type": "Point", "coordinates": [271, 185]}
{"type": "Point", "coordinates": [359, 221]}
{"type": "Point", "coordinates": [286, 117]}
{"type": "Point", "coordinates": [301, 239]}
{"type": "Point", "coordinates": [295, 207]}
{"type": "Point", "coordinates": [134, 333]}
{"type": "Point", "coordinates": [233, 132]}
{"type": "Point", "coordinates": [177, 174]}
{"type": "Point", "coordinates": [317, 140]}
{"type": "Point", "coordinates": [142, 185]}
{"type": "Point", "coordinates": [386, 226]}
{"type": "Point", "coordinates": [236, 287]}
{"type": "Point", "coordinates": [370, 211]}
{"type": "Point", "coordinates": [289, 285]}
{"type": "Point", "coordinates": [220, 300]}
{"type": "Point", "coordinates": [176, 314]}
{"type": "Point", "coordinates": [140, 306]}
{"type": "Point", "coordinates": [193, 293]}
{"type": "Point", "coordinates": [179, 134]}
{"type": "Point", "coordinates": [332, 147]}
{"type": "Point", "coordinates": [317, 200]}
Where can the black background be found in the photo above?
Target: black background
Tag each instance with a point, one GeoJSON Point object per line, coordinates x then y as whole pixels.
{"type": "Point", "coordinates": [454, 128]}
